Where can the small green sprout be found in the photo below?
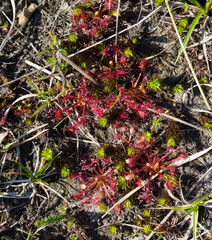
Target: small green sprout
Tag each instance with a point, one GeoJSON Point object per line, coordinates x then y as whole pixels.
{"type": "Point", "coordinates": [138, 222]}
{"type": "Point", "coordinates": [146, 213]}
{"type": "Point", "coordinates": [122, 183]}
{"type": "Point", "coordinates": [204, 80]}
{"type": "Point", "coordinates": [70, 223]}
{"type": "Point", "coordinates": [65, 172]}
{"type": "Point", "coordinates": [83, 65]}
{"type": "Point", "coordinates": [51, 60]}
{"type": "Point", "coordinates": [178, 89]}
{"type": "Point", "coordinates": [29, 121]}
{"type": "Point", "coordinates": [120, 166]}
{"type": "Point", "coordinates": [5, 26]}
{"type": "Point", "coordinates": [62, 209]}
{"type": "Point", "coordinates": [171, 141]}
{"type": "Point", "coordinates": [64, 52]}
{"type": "Point", "coordinates": [182, 25]}
{"type": "Point", "coordinates": [103, 121]}
{"type": "Point", "coordinates": [164, 199]}
{"type": "Point", "coordinates": [114, 13]}
{"type": "Point", "coordinates": [146, 229]}
{"type": "Point", "coordinates": [148, 136]}
{"type": "Point", "coordinates": [207, 126]}
{"type": "Point", "coordinates": [105, 151]}
{"type": "Point", "coordinates": [128, 53]}
{"type": "Point", "coordinates": [103, 207]}
{"type": "Point", "coordinates": [134, 40]}
{"type": "Point", "coordinates": [156, 122]}
{"type": "Point", "coordinates": [73, 237]}
{"type": "Point", "coordinates": [130, 151]}
{"type": "Point", "coordinates": [77, 11]}
{"type": "Point", "coordinates": [154, 84]}
{"type": "Point", "coordinates": [73, 38]}
{"type": "Point", "coordinates": [47, 154]}
{"type": "Point", "coordinates": [113, 229]}
{"type": "Point", "coordinates": [127, 203]}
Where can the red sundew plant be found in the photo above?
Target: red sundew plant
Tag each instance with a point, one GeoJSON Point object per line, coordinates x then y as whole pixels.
{"type": "Point", "coordinates": [80, 100]}
{"type": "Point", "coordinates": [145, 165]}
{"type": "Point", "coordinates": [110, 52]}
{"type": "Point", "coordinates": [2, 119]}
{"type": "Point", "coordinates": [136, 100]}
{"type": "Point", "coordinates": [143, 64]}
{"type": "Point", "coordinates": [123, 137]}
{"type": "Point", "coordinates": [98, 182]}
{"type": "Point", "coordinates": [113, 67]}
{"type": "Point", "coordinates": [91, 19]}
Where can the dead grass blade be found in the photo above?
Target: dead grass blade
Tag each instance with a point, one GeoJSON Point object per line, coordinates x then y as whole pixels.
{"type": "Point", "coordinates": [206, 39]}
{"type": "Point", "coordinates": [17, 143]}
{"type": "Point", "coordinates": [31, 73]}
{"type": "Point", "coordinates": [11, 27]}
{"type": "Point", "coordinates": [117, 22]}
{"type": "Point", "coordinates": [79, 69]}
{"type": "Point", "coordinates": [182, 122]}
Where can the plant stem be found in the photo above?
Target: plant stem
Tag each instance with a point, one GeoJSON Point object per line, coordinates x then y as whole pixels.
{"type": "Point", "coordinates": [186, 56]}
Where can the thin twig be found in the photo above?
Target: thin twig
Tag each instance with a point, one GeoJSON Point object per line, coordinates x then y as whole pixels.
{"type": "Point", "coordinates": [27, 140]}
{"type": "Point", "coordinates": [204, 44]}
{"type": "Point", "coordinates": [182, 121]}
{"type": "Point", "coordinates": [79, 69]}
{"type": "Point", "coordinates": [161, 223]}
{"type": "Point", "coordinates": [117, 22]}
{"type": "Point", "coordinates": [42, 69]}
{"type": "Point", "coordinates": [11, 27]}
{"type": "Point", "coordinates": [206, 39]}
{"type": "Point", "coordinates": [26, 75]}
{"type": "Point", "coordinates": [198, 181]}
